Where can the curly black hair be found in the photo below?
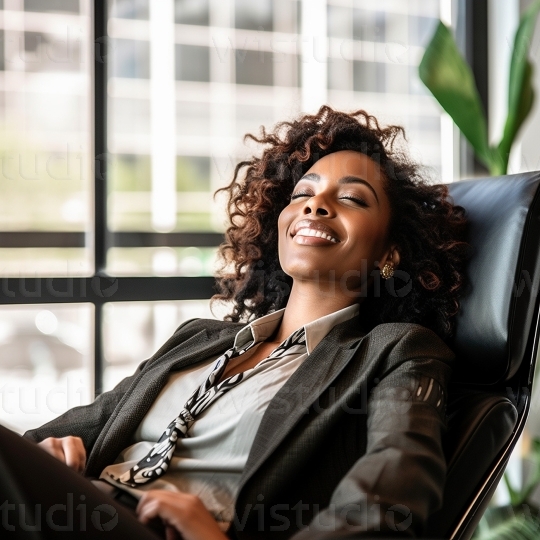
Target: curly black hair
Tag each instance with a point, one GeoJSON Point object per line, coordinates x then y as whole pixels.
{"type": "Point", "coordinates": [425, 225]}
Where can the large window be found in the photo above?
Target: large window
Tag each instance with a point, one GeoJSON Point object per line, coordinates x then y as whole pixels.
{"type": "Point", "coordinates": [118, 122]}
{"type": "Point", "coordinates": [46, 351]}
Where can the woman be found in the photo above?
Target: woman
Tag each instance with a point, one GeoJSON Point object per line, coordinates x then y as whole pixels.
{"type": "Point", "coordinates": [329, 405]}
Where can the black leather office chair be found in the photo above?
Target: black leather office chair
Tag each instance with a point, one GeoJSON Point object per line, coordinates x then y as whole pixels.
{"type": "Point", "coordinates": [496, 344]}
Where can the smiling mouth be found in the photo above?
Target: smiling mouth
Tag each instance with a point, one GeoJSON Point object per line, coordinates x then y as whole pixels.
{"type": "Point", "coordinates": [317, 234]}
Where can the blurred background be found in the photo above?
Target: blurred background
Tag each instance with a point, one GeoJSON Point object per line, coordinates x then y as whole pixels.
{"type": "Point", "coordinates": [120, 119]}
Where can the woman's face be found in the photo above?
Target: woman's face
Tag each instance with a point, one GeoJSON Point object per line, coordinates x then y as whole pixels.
{"type": "Point", "coordinates": [336, 225]}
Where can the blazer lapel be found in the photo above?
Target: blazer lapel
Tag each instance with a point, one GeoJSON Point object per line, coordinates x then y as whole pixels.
{"type": "Point", "coordinates": [302, 389]}
{"type": "Point", "coordinates": [135, 404]}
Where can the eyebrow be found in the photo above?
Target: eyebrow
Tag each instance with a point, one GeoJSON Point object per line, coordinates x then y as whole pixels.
{"type": "Point", "coordinates": [345, 180]}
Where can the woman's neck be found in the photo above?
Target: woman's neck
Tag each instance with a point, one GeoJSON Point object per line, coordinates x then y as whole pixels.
{"type": "Point", "coordinates": [307, 304]}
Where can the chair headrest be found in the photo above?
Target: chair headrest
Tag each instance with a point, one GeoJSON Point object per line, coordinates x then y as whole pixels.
{"type": "Point", "coordinates": [504, 271]}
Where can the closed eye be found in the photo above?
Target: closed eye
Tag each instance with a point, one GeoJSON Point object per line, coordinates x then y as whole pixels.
{"type": "Point", "coordinates": [357, 200]}
{"type": "Point", "coordinates": [300, 194]}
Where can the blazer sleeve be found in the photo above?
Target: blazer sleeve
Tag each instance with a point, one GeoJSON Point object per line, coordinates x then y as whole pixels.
{"type": "Point", "coordinates": [87, 421]}
{"type": "Point", "coordinates": [394, 487]}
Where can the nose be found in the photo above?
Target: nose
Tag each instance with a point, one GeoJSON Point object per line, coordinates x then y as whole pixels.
{"type": "Point", "coordinates": [318, 205]}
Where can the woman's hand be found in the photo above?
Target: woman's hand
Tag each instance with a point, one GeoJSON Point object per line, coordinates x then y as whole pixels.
{"type": "Point", "coordinates": [182, 512]}
{"type": "Point", "coordinates": [69, 450]}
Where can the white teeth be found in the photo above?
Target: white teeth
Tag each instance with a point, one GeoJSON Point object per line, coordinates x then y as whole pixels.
{"type": "Point", "coordinates": [318, 234]}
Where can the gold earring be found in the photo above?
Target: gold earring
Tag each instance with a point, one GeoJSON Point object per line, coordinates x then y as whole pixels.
{"type": "Point", "coordinates": [387, 271]}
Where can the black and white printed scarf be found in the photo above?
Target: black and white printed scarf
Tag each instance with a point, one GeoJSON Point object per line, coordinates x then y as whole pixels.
{"type": "Point", "coordinates": [156, 462]}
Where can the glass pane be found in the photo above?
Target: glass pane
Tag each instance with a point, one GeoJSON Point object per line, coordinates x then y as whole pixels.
{"type": "Point", "coordinates": [191, 12]}
{"type": "Point", "coordinates": [192, 63]}
{"type": "Point", "coordinates": [369, 25]}
{"type": "Point", "coordinates": [45, 52]}
{"type": "Point", "coordinates": [130, 9]}
{"type": "Point", "coordinates": [285, 67]}
{"type": "Point", "coordinates": [254, 15]}
{"type": "Point", "coordinates": [369, 77]}
{"type": "Point", "coordinates": [2, 49]}
{"type": "Point", "coordinates": [58, 6]}
{"type": "Point", "coordinates": [421, 29]}
{"type": "Point", "coordinates": [339, 21]}
{"type": "Point", "coordinates": [130, 58]}
{"type": "Point", "coordinates": [254, 67]}
{"type": "Point", "coordinates": [285, 16]}
{"type": "Point", "coordinates": [193, 117]}
{"type": "Point", "coordinates": [61, 201]}
{"type": "Point", "coordinates": [250, 118]}
{"type": "Point", "coordinates": [192, 173]}
{"type": "Point", "coordinates": [396, 79]}
{"type": "Point", "coordinates": [130, 200]}
{"type": "Point", "coordinates": [163, 139]}
{"type": "Point", "coordinates": [133, 331]}
{"type": "Point", "coordinates": [340, 74]}
{"type": "Point", "coordinates": [46, 362]}
{"type": "Point", "coordinates": [45, 133]}
{"type": "Point", "coordinates": [34, 262]}
{"type": "Point", "coordinates": [129, 118]}
{"type": "Point", "coordinates": [162, 261]}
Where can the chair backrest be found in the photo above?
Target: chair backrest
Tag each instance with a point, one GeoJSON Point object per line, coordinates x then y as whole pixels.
{"type": "Point", "coordinates": [496, 342]}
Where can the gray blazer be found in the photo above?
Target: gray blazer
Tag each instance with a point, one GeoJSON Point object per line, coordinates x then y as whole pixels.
{"type": "Point", "coordinates": [348, 447]}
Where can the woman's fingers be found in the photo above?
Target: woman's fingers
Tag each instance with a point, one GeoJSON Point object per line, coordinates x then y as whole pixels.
{"type": "Point", "coordinates": [147, 509]}
{"type": "Point", "coordinates": [74, 452]}
{"type": "Point", "coordinates": [171, 533]}
{"type": "Point", "coordinates": [181, 511]}
{"type": "Point", "coordinates": [68, 450]}
{"type": "Point", "coordinates": [53, 446]}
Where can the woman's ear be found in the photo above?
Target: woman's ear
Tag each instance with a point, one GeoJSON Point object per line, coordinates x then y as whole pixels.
{"type": "Point", "coordinates": [392, 257]}
{"type": "Point", "coordinates": [396, 258]}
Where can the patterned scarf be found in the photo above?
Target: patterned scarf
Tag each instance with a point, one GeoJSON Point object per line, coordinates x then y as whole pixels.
{"type": "Point", "coordinates": [158, 459]}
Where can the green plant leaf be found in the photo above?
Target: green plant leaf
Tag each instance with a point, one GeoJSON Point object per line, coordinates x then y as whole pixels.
{"type": "Point", "coordinates": [448, 77]}
{"type": "Point", "coordinates": [520, 88]}
{"type": "Point", "coordinates": [518, 527]}
{"type": "Point", "coordinates": [515, 496]}
{"type": "Point", "coordinates": [534, 458]}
